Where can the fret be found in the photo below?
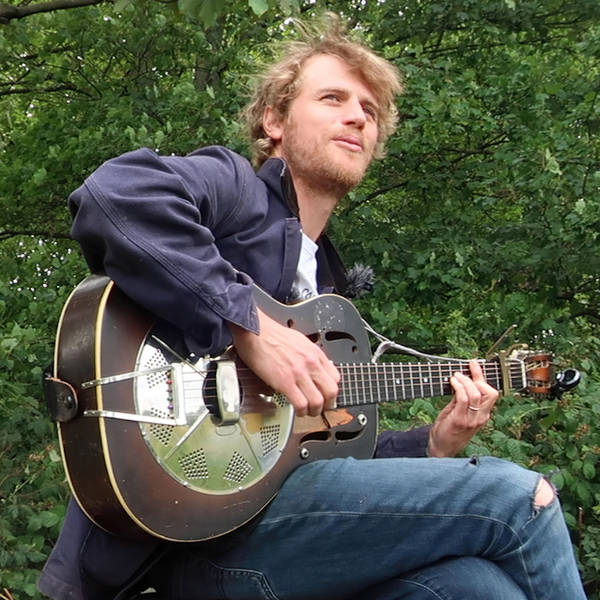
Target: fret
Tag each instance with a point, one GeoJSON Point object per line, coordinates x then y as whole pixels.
{"type": "Point", "coordinates": [355, 374]}
{"type": "Point", "coordinates": [345, 401]}
{"type": "Point", "coordinates": [342, 399]}
{"type": "Point", "coordinates": [350, 372]}
{"type": "Point", "coordinates": [401, 385]}
{"type": "Point", "coordinates": [417, 381]}
{"type": "Point", "coordinates": [397, 382]}
{"type": "Point", "coordinates": [378, 388]}
{"type": "Point", "coordinates": [390, 378]}
{"type": "Point", "coordinates": [371, 395]}
{"type": "Point", "coordinates": [363, 388]}
{"type": "Point", "coordinates": [441, 378]}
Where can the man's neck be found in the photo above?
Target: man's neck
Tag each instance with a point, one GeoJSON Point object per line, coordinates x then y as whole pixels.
{"type": "Point", "coordinates": [315, 207]}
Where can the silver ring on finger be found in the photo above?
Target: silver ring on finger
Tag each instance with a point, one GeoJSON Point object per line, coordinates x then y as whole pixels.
{"type": "Point", "coordinates": [475, 408]}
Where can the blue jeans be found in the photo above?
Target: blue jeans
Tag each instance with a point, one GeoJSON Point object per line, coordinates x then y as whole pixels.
{"type": "Point", "coordinates": [392, 529]}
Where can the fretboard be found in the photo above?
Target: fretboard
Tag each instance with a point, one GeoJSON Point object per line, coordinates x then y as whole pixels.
{"type": "Point", "coordinates": [367, 383]}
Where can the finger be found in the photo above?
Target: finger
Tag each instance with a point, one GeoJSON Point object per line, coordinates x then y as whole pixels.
{"type": "Point", "coordinates": [319, 382]}
{"type": "Point", "coordinates": [331, 369]}
{"type": "Point", "coordinates": [328, 384]}
{"type": "Point", "coordinates": [460, 398]}
{"type": "Point", "coordinates": [312, 392]}
{"type": "Point", "coordinates": [476, 371]}
{"type": "Point", "coordinates": [314, 379]}
{"type": "Point", "coordinates": [469, 389]}
{"type": "Point", "coordinates": [313, 396]}
{"type": "Point", "coordinates": [489, 394]}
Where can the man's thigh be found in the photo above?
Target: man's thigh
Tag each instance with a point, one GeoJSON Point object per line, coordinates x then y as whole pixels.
{"type": "Point", "coordinates": [461, 578]}
{"type": "Point", "coordinates": [341, 526]}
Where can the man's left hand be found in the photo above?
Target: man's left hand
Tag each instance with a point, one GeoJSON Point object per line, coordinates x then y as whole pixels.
{"type": "Point", "coordinates": [467, 412]}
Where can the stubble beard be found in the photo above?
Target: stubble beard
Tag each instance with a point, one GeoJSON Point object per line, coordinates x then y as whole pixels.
{"type": "Point", "coordinates": [320, 172]}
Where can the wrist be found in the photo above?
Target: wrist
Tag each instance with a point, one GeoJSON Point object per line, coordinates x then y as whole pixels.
{"type": "Point", "coordinates": [433, 451]}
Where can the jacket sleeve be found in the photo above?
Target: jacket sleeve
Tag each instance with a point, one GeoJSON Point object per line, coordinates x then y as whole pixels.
{"type": "Point", "coordinates": [411, 443]}
{"type": "Point", "coordinates": [150, 223]}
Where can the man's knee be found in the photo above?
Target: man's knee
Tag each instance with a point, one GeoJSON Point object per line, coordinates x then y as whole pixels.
{"type": "Point", "coordinates": [544, 493]}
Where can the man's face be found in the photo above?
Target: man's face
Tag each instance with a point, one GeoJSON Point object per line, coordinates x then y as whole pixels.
{"type": "Point", "coordinates": [330, 132]}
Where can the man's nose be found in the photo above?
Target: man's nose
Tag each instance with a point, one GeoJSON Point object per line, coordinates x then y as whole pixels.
{"type": "Point", "coordinates": [354, 113]}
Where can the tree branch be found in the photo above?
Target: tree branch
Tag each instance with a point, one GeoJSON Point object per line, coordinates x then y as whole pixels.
{"type": "Point", "coordinates": [58, 88]}
{"type": "Point", "coordinates": [373, 195]}
{"type": "Point", "coordinates": [8, 12]}
{"type": "Point", "coordinates": [7, 234]}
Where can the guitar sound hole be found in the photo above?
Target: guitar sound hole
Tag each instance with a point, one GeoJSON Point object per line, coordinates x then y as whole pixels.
{"type": "Point", "coordinates": [332, 336]}
{"type": "Point", "coordinates": [317, 436]}
{"type": "Point", "coordinates": [210, 390]}
{"type": "Point", "coordinates": [346, 435]}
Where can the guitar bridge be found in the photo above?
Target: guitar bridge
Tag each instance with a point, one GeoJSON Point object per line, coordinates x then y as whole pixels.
{"type": "Point", "coordinates": [228, 392]}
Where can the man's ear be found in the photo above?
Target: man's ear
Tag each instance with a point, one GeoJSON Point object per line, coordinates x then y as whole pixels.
{"type": "Point", "coordinates": [272, 124]}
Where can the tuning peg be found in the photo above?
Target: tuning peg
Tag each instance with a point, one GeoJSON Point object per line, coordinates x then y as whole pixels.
{"type": "Point", "coordinates": [565, 380]}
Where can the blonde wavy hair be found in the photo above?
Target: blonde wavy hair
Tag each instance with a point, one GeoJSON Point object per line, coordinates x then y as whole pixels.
{"type": "Point", "coordinates": [278, 84]}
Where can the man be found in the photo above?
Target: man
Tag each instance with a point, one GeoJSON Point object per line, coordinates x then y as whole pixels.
{"type": "Point", "coordinates": [183, 237]}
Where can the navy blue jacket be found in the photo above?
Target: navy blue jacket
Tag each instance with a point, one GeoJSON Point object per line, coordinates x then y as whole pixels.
{"type": "Point", "coordinates": [185, 237]}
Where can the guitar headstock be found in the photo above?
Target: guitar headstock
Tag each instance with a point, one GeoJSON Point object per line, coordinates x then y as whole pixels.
{"type": "Point", "coordinates": [541, 377]}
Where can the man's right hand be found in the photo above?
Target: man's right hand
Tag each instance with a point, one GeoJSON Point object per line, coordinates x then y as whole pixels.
{"type": "Point", "coordinates": [288, 362]}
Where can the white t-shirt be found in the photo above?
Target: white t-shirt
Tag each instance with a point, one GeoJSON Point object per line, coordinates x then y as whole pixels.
{"type": "Point", "coordinates": [305, 284]}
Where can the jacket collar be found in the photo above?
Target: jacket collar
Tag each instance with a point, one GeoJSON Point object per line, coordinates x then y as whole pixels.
{"type": "Point", "coordinates": [277, 177]}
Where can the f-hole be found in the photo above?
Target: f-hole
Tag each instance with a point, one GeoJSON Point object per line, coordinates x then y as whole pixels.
{"type": "Point", "coordinates": [333, 336]}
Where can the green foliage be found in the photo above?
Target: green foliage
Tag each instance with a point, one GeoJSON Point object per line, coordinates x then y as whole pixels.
{"type": "Point", "coordinates": [208, 12]}
{"type": "Point", "coordinates": [486, 209]}
{"type": "Point", "coordinates": [36, 276]}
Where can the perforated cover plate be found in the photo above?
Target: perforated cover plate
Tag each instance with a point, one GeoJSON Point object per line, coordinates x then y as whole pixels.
{"type": "Point", "coordinates": [201, 454]}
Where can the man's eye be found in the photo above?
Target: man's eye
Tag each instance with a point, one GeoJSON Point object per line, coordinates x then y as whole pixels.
{"type": "Point", "coordinates": [370, 112]}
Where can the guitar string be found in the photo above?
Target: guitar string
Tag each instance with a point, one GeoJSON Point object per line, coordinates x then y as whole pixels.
{"type": "Point", "coordinates": [413, 369]}
{"type": "Point", "coordinates": [438, 377]}
{"type": "Point", "coordinates": [409, 377]}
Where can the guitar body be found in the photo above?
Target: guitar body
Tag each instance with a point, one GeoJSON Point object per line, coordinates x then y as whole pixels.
{"type": "Point", "coordinates": [188, 452]}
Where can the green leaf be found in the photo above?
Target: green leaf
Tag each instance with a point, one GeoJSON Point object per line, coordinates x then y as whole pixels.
{"type": "Point", "coordinates": [49, 519]}
{"type": "Point", "coordinates": [205, 11]}
{"type": "Point", "coordinates": [552, 164]}
{"type": "Point", "coordinates": [258, 6]}
{"type": "Point", "coordinates": [121, 5]}
{"type": "Point", "coordinates": [589, 471]}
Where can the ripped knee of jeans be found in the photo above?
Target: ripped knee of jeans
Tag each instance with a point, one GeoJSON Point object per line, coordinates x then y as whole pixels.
{"type": "Point", "coordinates": [544, 494]}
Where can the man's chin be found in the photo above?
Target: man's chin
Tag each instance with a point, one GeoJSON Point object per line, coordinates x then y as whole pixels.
{"type": "Point", "coordinates": [343, 180]}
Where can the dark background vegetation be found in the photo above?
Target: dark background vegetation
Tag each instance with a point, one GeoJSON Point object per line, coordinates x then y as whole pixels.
{"type": "Point", "coordinates": [485, 212]}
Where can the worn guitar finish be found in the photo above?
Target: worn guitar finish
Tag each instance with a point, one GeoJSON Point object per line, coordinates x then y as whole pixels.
{"type": "Point", "coordinates": [186, 451]}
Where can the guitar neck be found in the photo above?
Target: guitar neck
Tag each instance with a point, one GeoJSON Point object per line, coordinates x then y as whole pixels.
{"type": "Point", "coordinates": [367, 383]}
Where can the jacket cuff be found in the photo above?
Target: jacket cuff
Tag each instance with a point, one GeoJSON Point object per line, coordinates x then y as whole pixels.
{"type": "Point", "coordinates": [408, 444]}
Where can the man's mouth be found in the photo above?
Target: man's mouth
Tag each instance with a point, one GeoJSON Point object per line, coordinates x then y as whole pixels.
{"type": "Point", "coordinates": [351, 142]}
